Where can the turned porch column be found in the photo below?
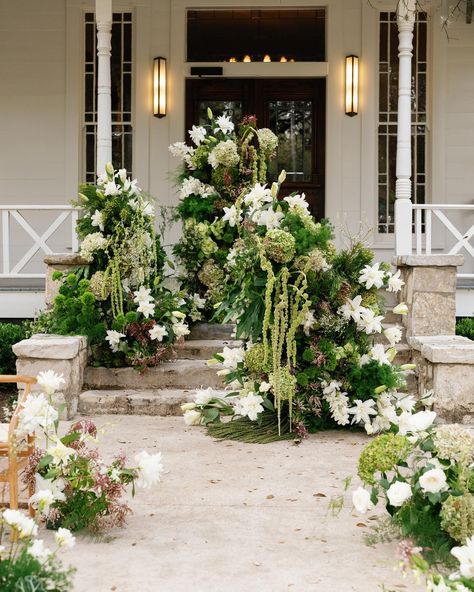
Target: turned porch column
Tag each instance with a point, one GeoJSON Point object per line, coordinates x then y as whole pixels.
{"type": "Point", "coordinates": [403, 191]}
{"type": "Point", "coordinates": [103, 10]}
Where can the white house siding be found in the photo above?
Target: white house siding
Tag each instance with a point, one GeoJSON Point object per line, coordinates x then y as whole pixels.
{"type": "Point", "coordinates": [41, 100]}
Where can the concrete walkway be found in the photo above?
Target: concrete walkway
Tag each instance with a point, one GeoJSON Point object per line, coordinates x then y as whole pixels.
{"type": "Point", "coordinates": [231, 517]}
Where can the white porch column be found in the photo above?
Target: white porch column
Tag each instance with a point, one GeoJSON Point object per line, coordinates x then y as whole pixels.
{"type": "Point", "coordinates": [103, 11]}
{"type": "Point", "coordinates": [403, 211]}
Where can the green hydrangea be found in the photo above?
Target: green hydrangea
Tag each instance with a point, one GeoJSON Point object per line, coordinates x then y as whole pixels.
{"type": "Point", "coordinates": [200, 156]}
{"type": "Point", "coordinates": [98, 286]}
{"type": "Point", "coordinates": [382, 454]}
{"type": "Point", "coordinates": [208, 246]}
{"type": "Point", "coordinates": [371, 300]}
{"type": "Point", "coordinates": [254, 359]}
{"type": "Point", "coordinates": [211, 275]}
{"type": "Point", "coordinates": [279, 245]}
{"type": "Point", "coordinates": [287, 387]}
{"type": "Point", "coordinates": [457, 516]}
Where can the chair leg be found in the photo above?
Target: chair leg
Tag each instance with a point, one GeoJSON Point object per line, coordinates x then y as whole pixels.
{"type": "Point", "coordinates": [31, 491]}
{"type": "Point", "coordinates": [13, 490]}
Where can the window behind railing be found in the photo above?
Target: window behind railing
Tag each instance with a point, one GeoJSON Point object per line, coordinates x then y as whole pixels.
{"type": "Point", "coordinates": [121, 80]}
{"type": "Point", "coordinates": [388, 113]}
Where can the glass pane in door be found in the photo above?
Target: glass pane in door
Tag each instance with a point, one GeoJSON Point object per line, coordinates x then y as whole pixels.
{"type": "Point", "coordinates": [292, 121]}
{"type": "Point", "coordinates": [232, 109]}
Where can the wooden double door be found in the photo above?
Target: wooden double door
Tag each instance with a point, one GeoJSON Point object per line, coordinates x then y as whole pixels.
{"type": "Point", "coordinates": [294, 109]}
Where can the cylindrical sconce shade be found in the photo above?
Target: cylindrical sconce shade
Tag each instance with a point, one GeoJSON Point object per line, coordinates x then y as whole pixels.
{"type": "Point", "coordinates": [159, 87]}
{"type": "Point", "coordinates": [352, 85]}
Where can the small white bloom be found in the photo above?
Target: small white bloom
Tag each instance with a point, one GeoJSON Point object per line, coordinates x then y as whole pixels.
{"type": "Point", "coordinates": [232, 216]}
{"type": "Point", "coordinates": [97, 219]}
{"type": "Point", "coordinates": [433, 481]}
{"type": "Point", "coordinates": [39, 551]}
{"type": "Point", "coordinates": [232, 357]}
{"type": "Point", "coordinates": [42, 501]}
{"type": "Point", "coordinates": [114, 337]}
{"type": "Point", "coordinates": [465, 556]}
{"type": "Point", "coordinates": [362, 411]}
{"type": "Point", "coordinates": [225, 125]}
{"type": "Point", "coordinates": [25, 526]}
{"type": "Point", "coordinates": [372, 276]}
{"type": "Point", "coordinates": [158, 332]}
{"type": "Point", "coordinates": [264, 387]}
{"type": "Point", "coordinates": [369, 322]}
{"type": "Point", "coordinates": [180, 150]}
{"type": "Point", "coordinates": [36, 412]}
{"type": "Point", "coordinates": [122, 173]}
{"type": "Point", "coordinates": [142, 294]}
{"type": "Point", "coordinates": [198, 301]}
{"type": "Point", "coordinates": [401, 309]}
{"type": "Point", "coordinates": [146, 308]}
{"type": "Point", "coordinates": [249, 406]}
{"type": "Point", "coordinates": [269, 218]}
{"type": "Point", "coordinates": [112, 189]}
{"type": "Point", "coordinates": [361, 500]}
{"type": "Point", "coordinates": [297, 201]}
{"type": "Point", "coordinates": [197, 134]}
{"type": "Point", "coordinates": [393, 334]}
{"type": "Point", "coordinates": [64, 538]}
{"type": "Point", "coordinates": [378, 353]}
{"type": "Point", "coordinates": [308, 322]}
{"type": "Point", "coordinates": [150, 469]}
{"type": "Point", "coordinates": [181, 329]}
{"type": "Point", "coordinates": [352, 309]}
{"type": "Point", "coordinates": [192, 417]}
{"type": "Point", "coordinates": [49, 381]}
{"type": "Point", "coordinates": [398, 493]}
{"type": "Point", "coordinates": [395, 283]}
{"type": "Point", "coordinates": [203, 396]}
{"type": "Point", "coordinates": [60, 453]}
{"type": "Point", "coordinates": [405, 402]}
{"type": "Point", "coordinates": [178, 316]}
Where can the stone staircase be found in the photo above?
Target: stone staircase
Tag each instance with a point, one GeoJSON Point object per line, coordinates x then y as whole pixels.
{"type": "Point", "coordinates": [160, 390]}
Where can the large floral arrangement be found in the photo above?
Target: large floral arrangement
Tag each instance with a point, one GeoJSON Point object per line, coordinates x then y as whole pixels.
{"type": "Point", "coordinates": [424, 475]}
{"type": "Point", "coordinates": [310, 316]}
{"type": "Point", "coordinates": [75, 488]}
{"type": "Point", "coordinates": [223, 163]}
{"type": "Point", "coordinates": [26, 563]}
{"type": "Point", "coordinates": [119, 299]}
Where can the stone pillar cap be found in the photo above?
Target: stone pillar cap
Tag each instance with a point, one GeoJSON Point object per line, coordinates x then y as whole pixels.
{"type": "Point", "coordinates": [50, 347]}
{"type": "Point", "coordinates": [444, 349]}
{"type": "Point", "coordinates": [428, 260]}
{"type": "Point", "coordinates": [64, 259]}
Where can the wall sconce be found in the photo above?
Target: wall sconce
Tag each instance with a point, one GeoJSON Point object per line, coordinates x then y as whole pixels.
{"type": "Point", "coordinates": [247, 58]}
{"type": "Point", "coordinates": [352, 85]}
{"type": "Point", "coordinates": [159, 87]}
{"type": "Point", "coordinates": [267, 58]}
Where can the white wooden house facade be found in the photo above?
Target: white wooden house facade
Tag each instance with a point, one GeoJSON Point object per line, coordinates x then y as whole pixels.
{"type": "Point", "coordinates": [57, 119]}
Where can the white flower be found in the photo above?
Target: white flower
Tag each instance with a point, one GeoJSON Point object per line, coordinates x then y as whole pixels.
{"type": "Point", "coordinates": [422, 420]}
{"type": "Point", "coordinates": [188, 406]}
{"type": "Point", "coordinates": [203, 396]}
{"type": "Point", "coordinates": [39, 551]}
{"type": "Point", "coordinates": [56, 486]}
{"type": "Point", "coordinates": [308, 322]}
{"type": "Point", "coordinates": [114, 337]}
{"type": "Point", "coordinates": [158, 332]}
{"type": "Point", "coordinates": [249, 406]}
{"type": "Point", "coordinates": [405, 402]}
{"type": "Point", "coordinates": [102, 179]}
{"type": "Point", "coordinates": [372, 276]}
{"type": "Point", "coordinates": [192, 417]}
{"type": "Point", "coordinates": [92, 243]}
{"type": "Point", "coordinates": [97, 219]}
{"type": "Point", "coordinates": [395, 283]}
{"type": "Point", "coordinates": [398, 493]}
{"type": "Point", "coordinates": [146, 308]}
{"type": "Point", "coordinates": [50, 382]}
{"type": "Point", "coordinates": [393, 334]}
{"type": "Point", "coordinates": [142, 294]}
{"type": "Point", "coordinates": [42, 500]}
{"type": "Point", "coordinates": [181, 329]}
{"type": "Point", "coordinates": [178, 316]}
{"type": "Point", "coordinates": [148, 209]}
{"type": "Point", "coordinates": [111, 188]}
{"type": "Point", "coordinates": [338, 402]}
{"type": "Point", "coordinates": [297, 201]}
{"type": "Point", "coordinates": [258, 195]}
{"type": "Point", "coordinates": [232, 216]}
{"type": "Point", "coordinates": [122, 173]}
{"type": "Point", "coordinates": [264, 387]}
{"type": "Point", "coordinates": [60, 453]}
{"type": "Point", "coordinates": [64, 538]}
{"type": "Point", "coordinates": [25, 526]}
{"type": "Point", "coordinates": [369, 322]}
{"type": "Point", "coordinates": [401, 309]}
{"type": "Point", "coordinates": [225, 153]}
{"type": "Point", "coordinates": [198, 301]}
{"type": "Point", "coordinates": [465, 556]}
{"type": "Point", "coordinates": [149, 469]}
{"type": "Point", "coordinates": [361, 500]}
{"type": "Point", "coordinates": [362, 411]}
{"type": "Point", "coordinates": [197, 134]}
{"type": "Point", "coordinates": [352, 309]}
{"type": "Point", "coordinates": [36, 412]}
{"type": "Point", "coordinates": [180, 150]}
{"type": "Point", "coordinates": [190, 186]}
{"type": "Point", "coordinates": [433, 481]}
{"type": "Point", "coordinates": [378, 353]}
{"type": "Point", "coordinates": [269, 218]}
{"type": "Point", "coordinates": [225, 125]}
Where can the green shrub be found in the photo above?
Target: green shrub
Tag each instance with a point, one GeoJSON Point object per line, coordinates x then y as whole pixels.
{"type": "Point", "coordinates": [10, 334]}
{"type": "Point", "coordinates": [465, 327]}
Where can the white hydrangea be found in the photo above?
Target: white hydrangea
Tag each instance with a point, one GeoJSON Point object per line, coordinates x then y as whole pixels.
{"type": "Point", "coordinates": [225, 154]}
{"type": "Point", "coordinates": [249, 406]}
{"type": "Point", "coordinates": [150, 469]}
{"type": "Point", "coordinates": [36, 412]}
{"type": "Point", "coordinates": [92, 243]}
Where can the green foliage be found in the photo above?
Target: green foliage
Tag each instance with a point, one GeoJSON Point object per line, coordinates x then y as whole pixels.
{"type": "Point", "coordinates": [23, 573]}
{"type": "Point", "coordinates": [381, 455]}
{"type": "Point", "coordinates": [199, 208]}
{"type": "Point", "coordinates": [10, 333]}
{"type": "Point", "coordinates": [308, 236]}
{"type": "Point", "coordinates": [365, 379]}
{"type": "Point", "coordinates": [465, 327]}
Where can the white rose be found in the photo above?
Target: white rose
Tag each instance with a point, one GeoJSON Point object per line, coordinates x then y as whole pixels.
{"type": "Point", "coordinates": [192, 417]}
{"type": "Point", "coordinates": [422, 420]}
{"type": "Point", "coordinates": [361, 500]}
{"type": "Point", "coordinates": [433, 481]}
{"type": "Point", "coordinates": [398, 493]}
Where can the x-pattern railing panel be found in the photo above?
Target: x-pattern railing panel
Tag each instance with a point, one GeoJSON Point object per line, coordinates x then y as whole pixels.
{"type": "Point", "coordinates": [9, 213]}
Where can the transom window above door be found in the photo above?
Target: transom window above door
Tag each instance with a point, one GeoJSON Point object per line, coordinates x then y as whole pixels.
{"type": "Point", "coordinates": [256, 35]}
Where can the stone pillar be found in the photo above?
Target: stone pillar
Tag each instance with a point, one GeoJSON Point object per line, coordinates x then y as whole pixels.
{"type": "Point", "coordinates": [103, 10]}
{"type": "Point", "coordinates": [403, 211]}
{"type": "Point", "coordinates": [429, 292]}
{"type": "Point", "coordinates": [66, 355]}
{"type": "Point", "coordinates": [58, 262]}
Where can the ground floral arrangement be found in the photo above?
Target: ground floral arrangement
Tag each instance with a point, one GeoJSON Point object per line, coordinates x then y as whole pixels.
{"type": "Point", "coordinates": [217, 170]}
{"type": "Point", "coordinates": [424, 476]}
{"type": "Point", "coordinates": [308, 316]}
{"type": "Point", "coordinates": [120, 299]}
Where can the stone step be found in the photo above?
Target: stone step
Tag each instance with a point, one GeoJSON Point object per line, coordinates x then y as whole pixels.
{"type": "Point", "coordinates": [179, 374]}
{"type": "Point", "coordinates": [390, 318]}
{"type": "Point", "coordinates": [203, 349]}
{"type": "Point", "coordinates": [134, 401]}
{"type": "Point", "coordinates": [207, 331]}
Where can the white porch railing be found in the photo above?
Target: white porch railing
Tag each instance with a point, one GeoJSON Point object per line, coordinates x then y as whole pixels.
{"type": "Point", "coordinates": [462, 240]}
{"type": "Point", "coordinates": [40, 238]}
